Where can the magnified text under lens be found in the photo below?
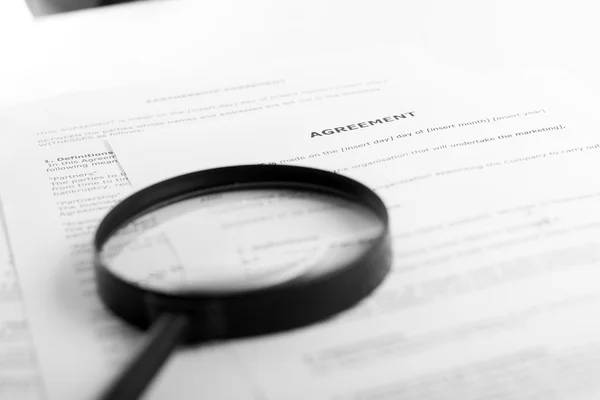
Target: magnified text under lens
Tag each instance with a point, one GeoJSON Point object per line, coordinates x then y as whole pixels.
{"type": "Point", "coordinates": [238, 241]}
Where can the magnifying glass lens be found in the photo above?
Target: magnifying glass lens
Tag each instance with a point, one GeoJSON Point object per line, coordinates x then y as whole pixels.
{"type": "Point", "coordinates": [240, 241]}
{"type": "Point", "coordinates": [235, 252]}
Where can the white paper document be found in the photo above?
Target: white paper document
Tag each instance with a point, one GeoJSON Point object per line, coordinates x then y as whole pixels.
{"type": "Point", "coordinates": [58, 178]}
{"type": "Point", "coordinates": [491, 184]}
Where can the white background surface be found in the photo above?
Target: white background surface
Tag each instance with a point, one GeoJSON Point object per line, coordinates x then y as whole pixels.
{"type": "Point", "coordinates": [155, 40]}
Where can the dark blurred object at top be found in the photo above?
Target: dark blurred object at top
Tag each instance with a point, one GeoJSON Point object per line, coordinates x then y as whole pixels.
{"type": "Point", "coordinates": [111, 2]}
{"type": "Point", "coordinates": [48, 7]}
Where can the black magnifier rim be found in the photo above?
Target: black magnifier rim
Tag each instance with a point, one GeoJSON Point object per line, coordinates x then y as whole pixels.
{"type": "Point", "coordinates": [258, 311]}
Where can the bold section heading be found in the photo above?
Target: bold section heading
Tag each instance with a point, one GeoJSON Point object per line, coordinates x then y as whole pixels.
{"type": "Point", "coordinates": [361, 125]}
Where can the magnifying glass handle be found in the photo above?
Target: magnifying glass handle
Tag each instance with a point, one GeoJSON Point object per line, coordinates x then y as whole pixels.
{"type": "Point", "coordinates": [165, 334]}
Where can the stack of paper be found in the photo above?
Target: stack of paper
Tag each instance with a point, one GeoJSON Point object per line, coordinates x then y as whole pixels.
{"type": "Point", "coordinates": [19, 374]}
{"type": "Point", "coordinates": [489, 180]}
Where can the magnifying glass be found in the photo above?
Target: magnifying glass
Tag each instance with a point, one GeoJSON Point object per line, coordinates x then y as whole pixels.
{"type": "Point", "coordinates": [235, 252]}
